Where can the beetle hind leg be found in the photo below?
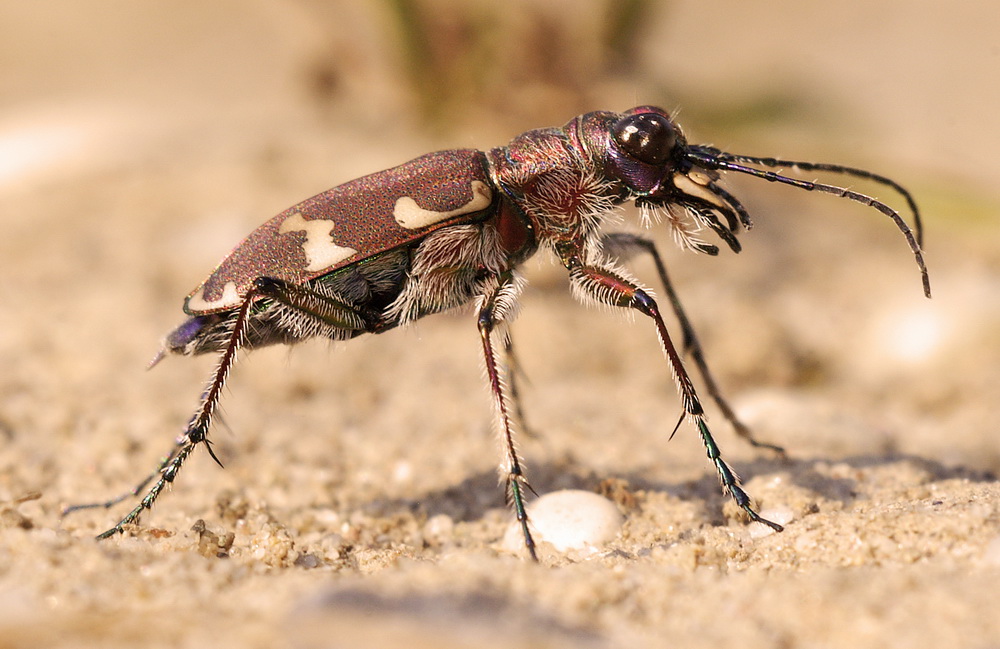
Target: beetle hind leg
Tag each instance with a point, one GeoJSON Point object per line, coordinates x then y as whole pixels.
{"type": "Point", "coordinates": [196, 431]}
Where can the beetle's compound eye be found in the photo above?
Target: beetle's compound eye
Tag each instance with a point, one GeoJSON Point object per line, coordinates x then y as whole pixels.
{"type": "Point", "coordinates": [646, 137]}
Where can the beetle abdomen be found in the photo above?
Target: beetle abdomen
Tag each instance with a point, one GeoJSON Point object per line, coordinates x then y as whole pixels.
{"type": "Point", "coordinates": [366, 289]}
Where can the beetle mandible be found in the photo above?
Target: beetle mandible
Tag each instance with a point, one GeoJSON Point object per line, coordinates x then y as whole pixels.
{"type": "Point", "coordinates": [452, 227]}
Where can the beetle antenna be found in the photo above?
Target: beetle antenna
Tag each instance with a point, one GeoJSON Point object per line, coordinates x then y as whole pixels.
{"type": "Point", "coordinates": [714, 159]}
{"type": "Point", "coordinates": [838, 169]}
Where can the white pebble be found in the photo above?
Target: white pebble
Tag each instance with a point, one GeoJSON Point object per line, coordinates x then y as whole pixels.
{"type": "Point", "coordinates": [568, 520]}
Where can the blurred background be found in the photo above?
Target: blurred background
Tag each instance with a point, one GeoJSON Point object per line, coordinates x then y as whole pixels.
{"type": "Point", "coordinates": [910, 78]}
{"type": "Point", "coordinates": [140, 141]}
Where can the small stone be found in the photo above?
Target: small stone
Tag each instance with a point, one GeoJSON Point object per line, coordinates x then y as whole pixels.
{"type": "Point", "coordinates": [568, 520]}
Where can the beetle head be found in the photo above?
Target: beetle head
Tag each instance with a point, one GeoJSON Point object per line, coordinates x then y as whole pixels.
{"type": "Point", "coordinates": [648, 154]}
{"type": "Point", "coordinates": [669, 179]}
{"type": "Point", "coordinates": [645, 148]}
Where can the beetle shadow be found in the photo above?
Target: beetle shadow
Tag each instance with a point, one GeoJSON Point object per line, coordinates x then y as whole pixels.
{"type": "Point", "coordinates": [471, 499]}
{"type": "Point", "coordinates": [806, 473]}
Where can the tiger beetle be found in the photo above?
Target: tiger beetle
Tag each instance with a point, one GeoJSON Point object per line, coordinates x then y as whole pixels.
{"type": "Point", "coordinates": [453, 227]}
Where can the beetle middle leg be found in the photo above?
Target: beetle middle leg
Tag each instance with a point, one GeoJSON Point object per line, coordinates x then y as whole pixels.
{"type": "Point", "coordinates": [496, 306]}
{"type": "Point", "coordinates": [624, 245]}
{"type": "Point", "coordinates": [609, 287]}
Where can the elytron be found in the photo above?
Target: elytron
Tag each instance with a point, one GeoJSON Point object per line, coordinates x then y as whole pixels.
{"type": "Point", "coordinates": [453, 227]}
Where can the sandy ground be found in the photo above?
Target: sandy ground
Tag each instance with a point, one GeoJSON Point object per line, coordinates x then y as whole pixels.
{"type": "Point", "coordinates": [137, 145]}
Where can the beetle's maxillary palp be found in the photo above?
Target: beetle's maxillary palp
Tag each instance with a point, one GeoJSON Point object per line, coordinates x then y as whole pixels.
{"type": "Point", "coordinates": [733, 203]}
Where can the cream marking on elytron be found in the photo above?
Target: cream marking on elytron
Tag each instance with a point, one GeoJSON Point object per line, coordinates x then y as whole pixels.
{"type": "Point", "coordinates": [319, 247]}
{"type": "Point", "coordinates": [411, 216]}
{"type": "Point", "coordinates": [230, 298]}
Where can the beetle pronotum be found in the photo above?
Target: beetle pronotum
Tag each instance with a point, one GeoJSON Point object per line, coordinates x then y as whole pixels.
{"type": "Point", "coordinates": [453, 227]}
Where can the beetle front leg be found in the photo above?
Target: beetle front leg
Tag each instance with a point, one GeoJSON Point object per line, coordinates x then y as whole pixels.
{"type": "Point", "coordinates": [623, 245]}
{"type": "Point", "coordinates": [496, 306]}
{"type": "Point", "coordinates": [610, 288]}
